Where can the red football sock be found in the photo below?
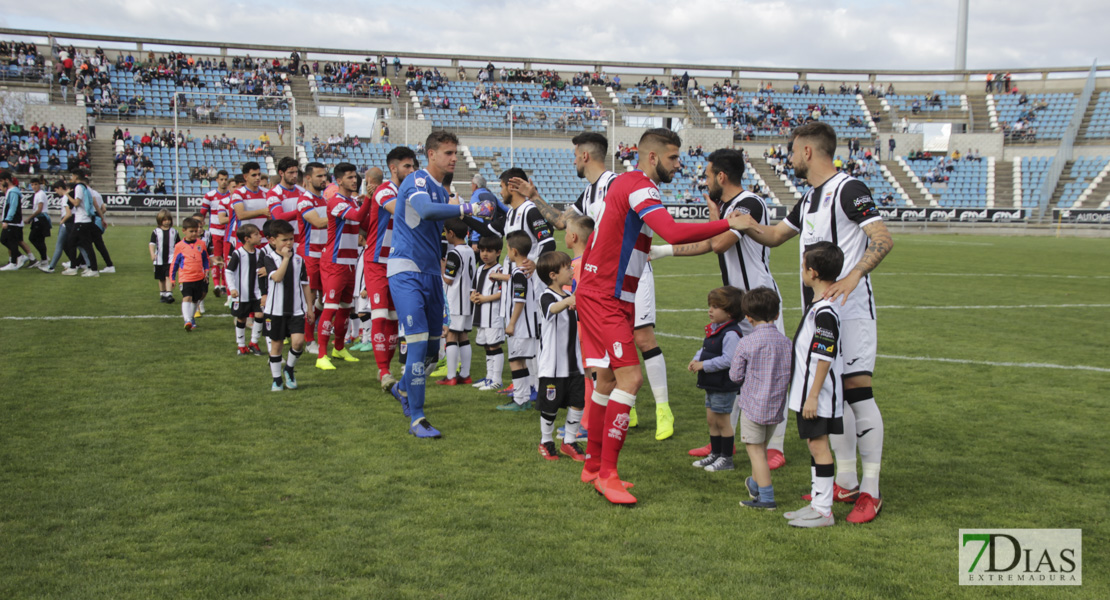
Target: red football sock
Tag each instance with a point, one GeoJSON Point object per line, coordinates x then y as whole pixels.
{"type": "Point", "coordinates": [378, 337]}
{"type": "Point", "coordinates": [327, 320]}
{"type": "Point", "coordinates": [595, 427]}
{"type": "Point", "coordinates": [342, 318]}
{"type": "Point", "coordinates": [391, 341]}
{"type": "Point", "coordinates": [615, 424]}
{"type": "Point", "coordinates": [310, 331]}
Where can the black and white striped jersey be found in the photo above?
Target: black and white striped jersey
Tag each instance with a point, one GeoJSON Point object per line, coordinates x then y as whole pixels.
{"type": "Point", "coordinates": [747, 264]}
{"type": "Point", "coordinates": [242, 276]}
{"type": "Point", "coordinates": [560, 355]}
{"type": "Point", "coordinates": [817, 340]}
{"type": "Point", "coordinates": [163, 241]}
{"type": "Point", "coordinates": [527, 218]}
{"type": "Point", "coordinates": [460, 267]}
{"type": "Point", "coordinates": [488, 314]}
{"type": "Point", "coordinates": [521, 291]}
{"type": "Point", "coordinates": [285, 297]}
{"type": "Point", "coordinates": [836, 211]}
{"type": "Point", "coordinates": [592, 197]}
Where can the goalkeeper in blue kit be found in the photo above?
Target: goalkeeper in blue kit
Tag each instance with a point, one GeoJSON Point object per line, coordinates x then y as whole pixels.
{"type": "Point", "coordinates": [415, 278]}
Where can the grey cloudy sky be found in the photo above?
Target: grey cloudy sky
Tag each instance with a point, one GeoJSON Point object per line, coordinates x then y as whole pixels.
{"type": "Point", "coordinates": [863, 34]}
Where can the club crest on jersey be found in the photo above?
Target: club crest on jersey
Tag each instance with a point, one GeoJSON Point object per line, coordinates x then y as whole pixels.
{"type": "Point", "coordinates": [618, 350]}
{"type": "Point", "coordinates": [421, 182]}
{"type": "Point", "coordinates": [551, 392]}
{"type": "Point", "coordinates": [653, 193]}
{"type": "Point", "coordinates": [827, 198]}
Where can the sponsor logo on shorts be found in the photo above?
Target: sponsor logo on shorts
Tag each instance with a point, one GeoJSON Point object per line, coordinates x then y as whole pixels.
{"type": "Point", "coordinates": [618, 350]}
{"type": "Point", "coordinates": [377, 299]}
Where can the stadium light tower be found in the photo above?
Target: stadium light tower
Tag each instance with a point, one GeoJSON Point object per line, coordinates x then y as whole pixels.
{"type": "Point", "coordinates": [961, 37]}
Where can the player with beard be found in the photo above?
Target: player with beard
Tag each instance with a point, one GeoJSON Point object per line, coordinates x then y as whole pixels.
{"type": "Point", "coordinates": [744, 263]}
{"type": "Point", "coordinates": [401, 161]}
{"type": "Point", "coordinates": [611, 268]}
{"type": "Point", "coordinates": [590, 151]}
{"type": "Point", "coordinates": [313, 224]}
{"type": "Point", "coordinates": [840, 209]}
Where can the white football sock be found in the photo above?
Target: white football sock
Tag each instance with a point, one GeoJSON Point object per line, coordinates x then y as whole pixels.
{"type": "Point", "coordinates": [521, 392]}
{"type": "Point", "coordinates": [844, 451]}
{"type": "Point", "coordinates": [822, 489]}
{"type": "Point", "coordinates": [869, 428]}
{"type": "Point", "coordinates": [466, 354]}
{"type": "Point", "coordinates": [187, 310]}
{"type": "Point", "coordinates": [452, 359]}
{"type": "Point", "coordinates": [275, 366]}
{"type": "Point", "coordinates": [656, 368]}
{"type": "Point", "coordinates": [256, 331]}
{"type": "Point", "coordinates": [547, 427]}
{"type": "Point", "coordinates": [240, 334]}
{"type": "Point", "coordinates": [572, 425]}
{"type": "Point", "coordinates": [293, 356]}
{"type": "Point", "coordinates": [495, 367]}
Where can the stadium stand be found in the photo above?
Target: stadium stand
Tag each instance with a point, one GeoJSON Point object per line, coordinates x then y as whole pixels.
{"type": "Point", "coordinates": [536, 107]}
{"type": "Point", "coordinates": [939, 100]}
{"type": "Point", "coordinates": [1039, 116]}
{"type": "Point", "coordinates": [1082, 172]}
{"type": "Point", "coordinates": [160, 163]}
{"type": "Point", "coordinates": [760, 115]}
{"type": "Point", "coordinates": [1099, 125]}
{"type": "Point", "coordinates": [954, 183]}
{"type": "Point", "coordinates": [46, 149]}
{"type": "Point", "coordinates": [1033, 171]}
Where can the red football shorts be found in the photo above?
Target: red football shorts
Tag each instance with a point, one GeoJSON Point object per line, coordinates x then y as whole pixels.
{"type": "Point", "coordinates": [377, 286]}
{"type": "Point", "coordinates": [312, 265]}
{"type": "Point", "coordinates": [218, 247]}
{"type": "Point", "coordinates": [339, 283]}
{"type": "Point", "coordinates": [605, 329]}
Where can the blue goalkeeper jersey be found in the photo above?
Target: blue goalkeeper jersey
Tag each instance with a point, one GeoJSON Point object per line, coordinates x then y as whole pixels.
{"type": "Point", "coordinates": [418, 220]}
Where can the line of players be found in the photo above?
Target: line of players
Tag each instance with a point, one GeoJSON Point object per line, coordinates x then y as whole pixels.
{"type": "Point", "coordinates": [337, 257]}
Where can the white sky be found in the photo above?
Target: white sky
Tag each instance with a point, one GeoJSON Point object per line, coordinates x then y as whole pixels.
{"type": "Point", "coordinates": [865, 34]}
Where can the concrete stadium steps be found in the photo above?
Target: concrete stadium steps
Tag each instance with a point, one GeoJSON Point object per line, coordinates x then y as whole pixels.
{"type": "Point", "coordinates": [908, 186]}
{"type": "Point", "coordinates": [601, 94]}
{"type": "Point", "coordinates": [1098, 194]}
{"type": "Point", "coordinates": [1087, 114]}
{"type": "Point", "coordinates": [979, 115]}
{"type": "Point", "coordinates": [101, 154]}
{"type": "Point", "coordinates": [303, 95]}
{"type": "Point", "coordinates": [875, 105]}
{"type": "Point", "coordinates": [1003, 184]}
{"type": "Point", "coordinates": [778, 188]}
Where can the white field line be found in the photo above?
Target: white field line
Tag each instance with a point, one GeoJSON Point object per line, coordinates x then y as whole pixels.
{"type": "Point", "coordinates": [98, 317]}
{"type": "Point", "coordinates": [910, 307]}
{"type": "Point", "coordinates": [717, 274]}
{"type": "Point", "coordinates": [944, 360]}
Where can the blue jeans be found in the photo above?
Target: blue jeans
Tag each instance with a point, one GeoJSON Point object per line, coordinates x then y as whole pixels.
{"type": "Point", "coordinates": [59, 245]}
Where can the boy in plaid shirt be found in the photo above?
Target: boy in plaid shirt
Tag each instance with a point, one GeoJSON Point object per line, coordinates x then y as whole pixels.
{"type": "Point", "coordinates": [762, 363]}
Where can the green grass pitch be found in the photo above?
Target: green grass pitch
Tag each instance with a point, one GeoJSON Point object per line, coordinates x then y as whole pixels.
{"type": "Point", "coordinates": [141, 461]}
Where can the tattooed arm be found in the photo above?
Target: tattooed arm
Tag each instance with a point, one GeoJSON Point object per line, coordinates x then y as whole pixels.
{"type": "Point", "coordinates": [880, 243]}
{"type": "Point", "coordinates": [528, 190]}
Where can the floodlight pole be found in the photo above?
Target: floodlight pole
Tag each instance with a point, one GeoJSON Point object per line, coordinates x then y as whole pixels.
{"type": "Point", "coordinates": [177, 95]}
{"type": "Point", "coordinates": [961, 37]}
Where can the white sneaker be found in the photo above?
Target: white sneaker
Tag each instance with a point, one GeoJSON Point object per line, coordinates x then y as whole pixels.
{"type": "Point", "coordinates": [32, 263]}
{"type": "Point", "coordinates": [491, 386]}
{"type": "Point", "coordinates": [312, 349]}
{"type": "Point", "coordinates": [109, 270]}
{"type": "Point", "coordinates": [90, 273]}
{"type": "Point", "coordinates": [65, 265]}
{"type": "Point", "coordinates": [10, 267]}
{"type": "Point", "coordinates": [69, 271]}
{"type": "Point", "coordinates": [21, 261]}
{"type": "Point", "coordinates": [480, 383]}
{"type": "Point", "coordinates": [45, 267]}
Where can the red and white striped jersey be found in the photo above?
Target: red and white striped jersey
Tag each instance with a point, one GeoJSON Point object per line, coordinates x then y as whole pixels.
{"type": "Point", "coordinates": [379, 222]}
{"type": "Point", "coordinates": [281, 200]}
{"type": "Point", "coordinates": [616, 254]}
{"type": "Point", "coordinates": [342, 247]}
{"type": "Point", "coordinates": [250, 201]}
{"type": "Point", "coordinates": [317, 237]}
{"type": "Point", "coordinates": [214, 202]}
